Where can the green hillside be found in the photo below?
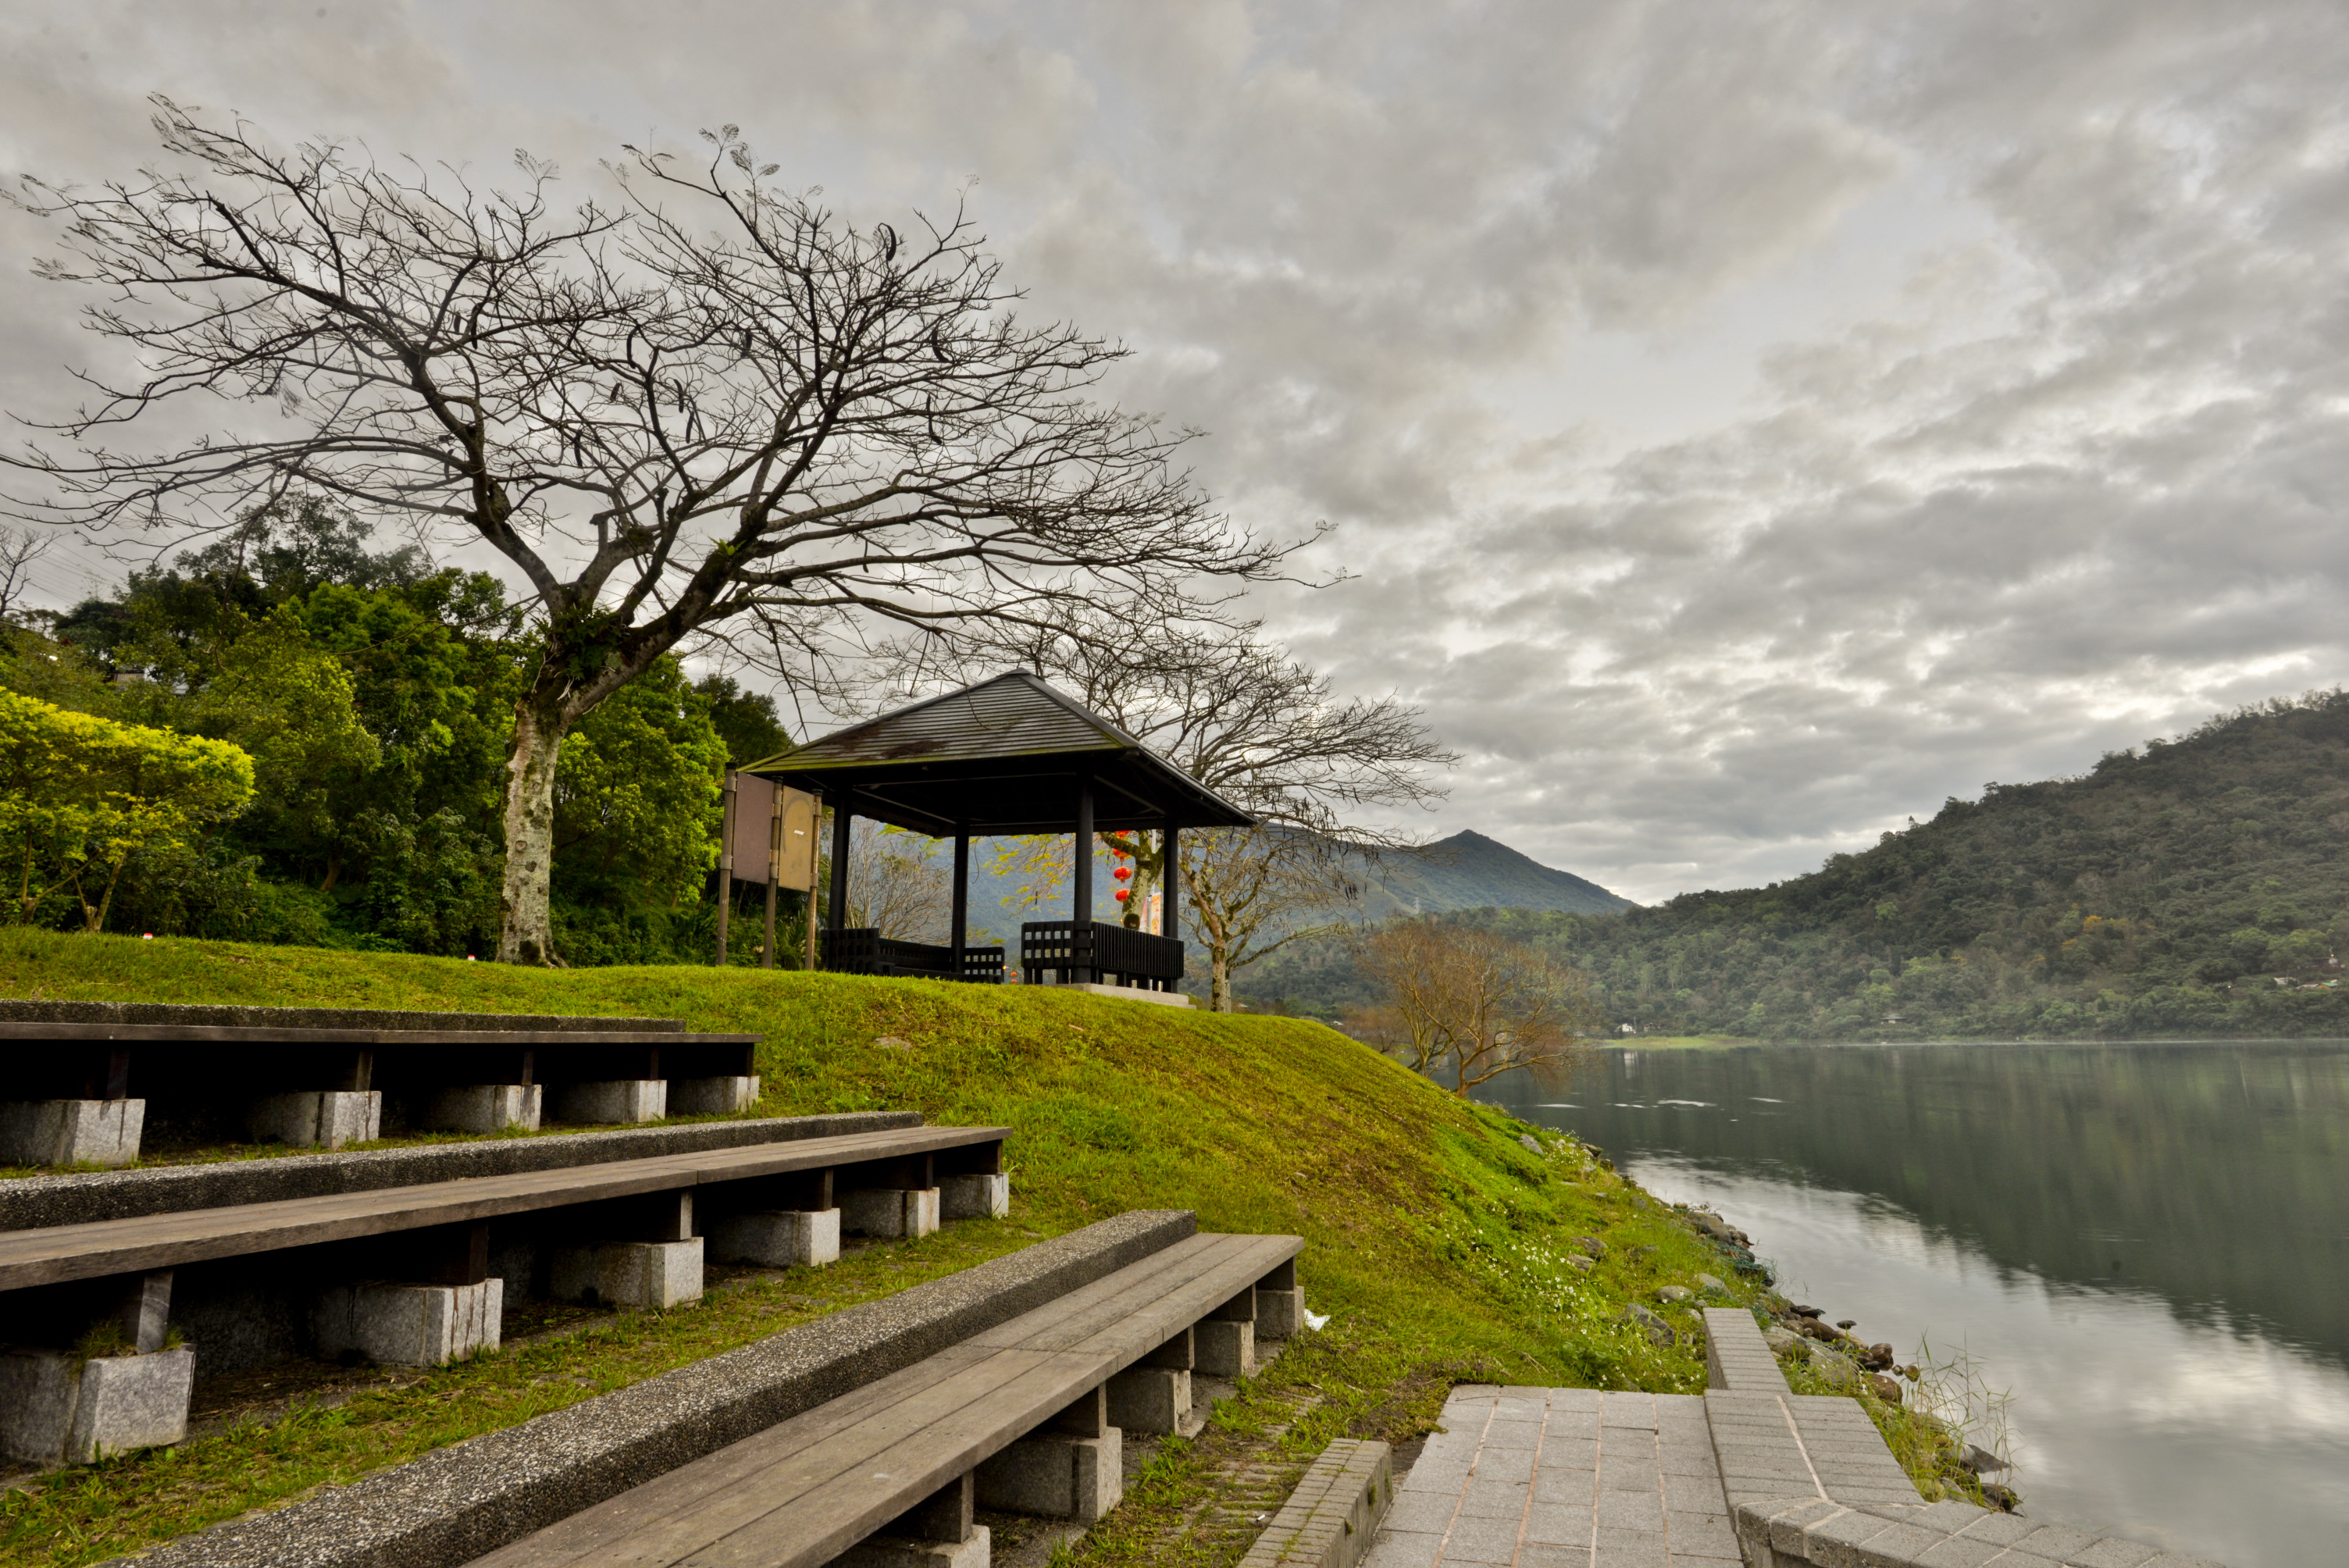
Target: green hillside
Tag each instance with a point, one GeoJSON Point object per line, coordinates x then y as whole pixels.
{"type": "Point", "coordinates": [1436, 1242]}
{"type": "Point", "coordinates": [1469, 870]}
{"type": "Point", "coordinates": [2198, 886]}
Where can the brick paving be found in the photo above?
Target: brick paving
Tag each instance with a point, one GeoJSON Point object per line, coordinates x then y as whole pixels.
{"type": "Point", "coordinates": [1562, 1478]}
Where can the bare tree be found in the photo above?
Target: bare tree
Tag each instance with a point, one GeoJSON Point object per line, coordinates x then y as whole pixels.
{"type": "Point", "coordinates": [706, 406]}
{"type": "Point", "coordinates": [1252, 723]}
{"type": "Point", "coordinates": [19, 549]}
{"type": "Point", "coordinates": [1471, 999]}
{"type": "Point", "coordinates": [897, 885]}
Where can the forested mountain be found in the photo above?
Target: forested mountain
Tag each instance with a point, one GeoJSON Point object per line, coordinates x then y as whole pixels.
{"type": "Point", "coordinates": [2192, 886]}
{"type": "Point", "coordinates": [1469, 870]}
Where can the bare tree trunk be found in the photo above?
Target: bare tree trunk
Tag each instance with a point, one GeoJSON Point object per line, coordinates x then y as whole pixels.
{"type": "Point", "coordinates": [526, 932]}
{"type": "Point", "coordinates": [1219, 977]}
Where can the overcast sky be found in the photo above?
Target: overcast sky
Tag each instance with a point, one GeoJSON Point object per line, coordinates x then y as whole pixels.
{"type": "Point", "coordinates": [1749, 424]}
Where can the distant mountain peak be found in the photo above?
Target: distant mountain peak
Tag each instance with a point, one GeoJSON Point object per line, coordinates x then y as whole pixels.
{"type": "Point", "coordinates": [1472, 870]}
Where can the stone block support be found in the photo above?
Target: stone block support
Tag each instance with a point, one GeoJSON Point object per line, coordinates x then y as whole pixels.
{"type": "Point", "coordinates": [635, 1276]}
{"type": "Point", "coordinates": [55, 1407]}
{"type": "Point", "coordinates": [1072, 1467]}
{"type": "Point", "coordinates": [71, 1131]}
{"type": "Point", "coordinates": [1224, 1342]}
{"type": "Point", "coordinates": [897, 1552]}
{"type": "Point", "coordinates": [1154, 1400]}
{"type": "Point", "coordinates": [890, 1214]}
{"type": "Point", "coordinates": [1227, 1349]}
{"type": "Point", "coordinates": [486, 1107]}
{"type": "Point", "coordinates": [936, 1532]}
{"type": "Point", "coordinates": [712, 1096]}
{"type": "Point", "coordinates": [974, 1197]}
{"type": "Point", "coordinates": [1154, 1395]}
{"type": "Point", "coordinates": [317, 1119]}
{"type": "Point", "coordinates": [612, 1101]}
{"type": "Point", "coordinates": [143, 1312]}
{"type": "Point", "coordinates": [776, 1238]}
{"type": "Point", "coordinates": [1279, 1314]}
{"type": "Point", "coordinates": [408, 1324]}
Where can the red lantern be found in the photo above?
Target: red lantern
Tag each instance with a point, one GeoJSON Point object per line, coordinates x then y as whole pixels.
{"type": "Point", "coordinates": [1122, 894]}
{"type": "Point", "coordinates": [1123, 872]}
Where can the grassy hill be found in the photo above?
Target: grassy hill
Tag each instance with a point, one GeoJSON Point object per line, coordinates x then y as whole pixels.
{"type": "Point", "coordinates": [2198, 886]}
{"type": "Point", "coordinates": [1436, 1242]}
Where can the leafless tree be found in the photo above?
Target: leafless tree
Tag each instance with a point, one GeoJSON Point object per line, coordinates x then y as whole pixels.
{"type": "Point", "coordinates": [19, 549]}
{"type": "Point", "coordinates": [1460, 996]}
{"type": "Point", "coordinates": [897, 885]}
{"type": "Point", "coordinates": [1246, 718]}
{"type": "Point", "coordinates": [704, 406]}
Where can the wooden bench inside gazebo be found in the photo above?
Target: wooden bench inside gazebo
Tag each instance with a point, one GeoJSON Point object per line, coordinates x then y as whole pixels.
{"type": "Point", "coordinates": [1007, 756]}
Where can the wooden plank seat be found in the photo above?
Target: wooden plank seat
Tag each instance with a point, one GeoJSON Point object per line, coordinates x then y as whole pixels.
{"type": "Point", "coordinates": [1024, 1417]}
{"type": "Point", "coordinates": [417, 1275]}
{"type": "Point", "coordinates": [862, 950]}
{"type": "Point", "coordinates": [1093, 952]}
{"type": "Point", "coordinates": [62, 1253]}
{"type": "Point", "coordinates": [84, 1082]}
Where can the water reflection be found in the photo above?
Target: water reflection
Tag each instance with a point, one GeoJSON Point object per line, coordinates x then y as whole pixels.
{"type": "Point", "coordinates": [2149, 1244]}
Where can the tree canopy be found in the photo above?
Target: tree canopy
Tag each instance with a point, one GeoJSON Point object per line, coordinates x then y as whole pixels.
{"type": "Point", "coordinates": [372, 695]}
{"type": "Point", "coordinates": [702, 408]}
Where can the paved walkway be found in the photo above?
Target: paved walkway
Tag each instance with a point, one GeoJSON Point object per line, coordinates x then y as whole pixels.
{"type": "Point", "coordinates": [1562, 1478]}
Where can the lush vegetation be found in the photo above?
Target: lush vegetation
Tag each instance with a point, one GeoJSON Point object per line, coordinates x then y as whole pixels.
{"type": "Point", "coordinates": [79, 794]}
{"type": "Point", "coordinates": [1438, 1243]}
{"type": "Point", "coordinates": [2194, 886]}
{"type": "Point", "coordinates": [375, 696]}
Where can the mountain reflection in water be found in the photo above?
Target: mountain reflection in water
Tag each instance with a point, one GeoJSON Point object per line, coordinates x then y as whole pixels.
{"type": "Point", "coordinates": [2147, 1243]}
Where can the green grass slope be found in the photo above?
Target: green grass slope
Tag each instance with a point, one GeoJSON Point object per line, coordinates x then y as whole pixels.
{"type": "Point", "coordinates": [1437, 1242]}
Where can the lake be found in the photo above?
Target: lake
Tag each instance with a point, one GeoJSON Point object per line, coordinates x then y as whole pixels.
{"type": "Point", "coordinates": [2147, 1244]}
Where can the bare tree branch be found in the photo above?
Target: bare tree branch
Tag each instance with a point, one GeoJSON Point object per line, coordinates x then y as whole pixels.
{"type": "Point", "coordinates": [20, 548]}
{"type": "Point", "coordinates": [703, 406]}
{"type": "Point", "coordinates": [1243, 717]}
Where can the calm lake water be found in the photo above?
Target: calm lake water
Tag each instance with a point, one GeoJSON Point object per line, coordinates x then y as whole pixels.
{"type": "Point", "coordinates": [2147, 1244]}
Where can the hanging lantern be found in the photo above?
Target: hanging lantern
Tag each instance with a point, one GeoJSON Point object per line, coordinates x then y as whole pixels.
{"type": "Point", "coordinates": [1123, 893]}
{"type": "Point", "coordinates": [1123, 872]}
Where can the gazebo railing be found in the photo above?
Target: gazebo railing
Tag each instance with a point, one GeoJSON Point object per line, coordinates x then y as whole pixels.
{"type": "Point", "coordinates": [862, 950]}
{"type": "Point", "coordinates": [1091, 950]}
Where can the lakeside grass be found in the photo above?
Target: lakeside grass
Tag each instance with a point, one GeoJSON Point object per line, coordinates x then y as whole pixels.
{"type": "Point", "coordinates": [1438, 1243]}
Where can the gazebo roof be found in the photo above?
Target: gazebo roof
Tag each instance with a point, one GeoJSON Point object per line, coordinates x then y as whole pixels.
{"type": "Point", "coordinates": [1005, 756]}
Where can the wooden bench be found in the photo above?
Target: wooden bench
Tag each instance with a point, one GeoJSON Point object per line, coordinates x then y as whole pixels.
{"type": "Point", "coordinates": [862, 950]}
{"type": "Point", "coordinates": [82, 1081]}
{"type": "Point", "coordinates": [415, 1274]}
{"type": "Point", "coordinates": [1092, 952]}
{"type": "Point", "coordinates": [1028, 1416]}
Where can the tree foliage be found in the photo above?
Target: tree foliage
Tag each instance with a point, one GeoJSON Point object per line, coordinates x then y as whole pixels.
{"type": "Point", "coordinates": [1459, 999]}
{"type": "Point", "coordinates": [79, 794]}
{"type": "Point", "coordinates": [375, 696]}
{"type": "Point", "coordinates": [704, 407]}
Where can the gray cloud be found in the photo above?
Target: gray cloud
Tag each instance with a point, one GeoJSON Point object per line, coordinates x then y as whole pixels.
{"type": "Point", "coordinates": [2037, 325]}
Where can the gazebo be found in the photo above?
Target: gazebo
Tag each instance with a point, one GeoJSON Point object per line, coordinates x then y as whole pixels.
{"type": "Point", "coordinates": [1008, 756]}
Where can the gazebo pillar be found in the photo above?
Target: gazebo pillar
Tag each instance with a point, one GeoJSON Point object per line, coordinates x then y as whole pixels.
{"type": "Point", "coordinates": [1170, 877]}
{"type": "Point", "coordinates": [1082, 902]}
{"type": "Point", "coordinates": [958, 922]}
{"type": "Point", "coordinates": [837, 916]}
